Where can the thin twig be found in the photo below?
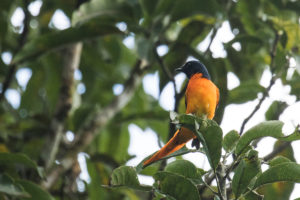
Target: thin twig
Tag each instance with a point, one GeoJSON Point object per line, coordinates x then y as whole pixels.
{"type": "Point", "coordinates": [210, 188]}
{"type": "Point", "coordinates": [272, 81]}
{"type": "Point", "coordinates": [231, 167]}
{"type": "Point", "coordinates": [23, 37]}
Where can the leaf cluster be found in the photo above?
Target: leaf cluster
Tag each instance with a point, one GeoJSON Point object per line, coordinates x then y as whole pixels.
{"type": "Point", "coordinates": [242, 178]}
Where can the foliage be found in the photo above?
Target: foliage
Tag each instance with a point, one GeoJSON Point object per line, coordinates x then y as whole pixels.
{"type": "Point", "coordinates": [114, 44]}
{"type": "Point", "coordinates": [246, 167]}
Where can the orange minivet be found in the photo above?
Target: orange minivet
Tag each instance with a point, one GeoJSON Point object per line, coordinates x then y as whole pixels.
{"type": "Point", "coordinates": [201, 99]}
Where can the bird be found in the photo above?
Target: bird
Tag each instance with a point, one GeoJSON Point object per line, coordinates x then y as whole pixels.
{"type": "Point", "coordinates": [201, 99]}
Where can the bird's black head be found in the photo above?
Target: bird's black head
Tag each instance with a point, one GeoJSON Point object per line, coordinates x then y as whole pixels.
{"type": "Point", "coordinates": [193, 67]}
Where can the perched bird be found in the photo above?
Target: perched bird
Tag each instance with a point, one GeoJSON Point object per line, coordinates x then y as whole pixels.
{"type": "Point", "coordinates": [201, 99]}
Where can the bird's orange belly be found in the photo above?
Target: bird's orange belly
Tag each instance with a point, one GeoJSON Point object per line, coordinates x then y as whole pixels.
{"type": "Point", "coordinates": [201, 98]}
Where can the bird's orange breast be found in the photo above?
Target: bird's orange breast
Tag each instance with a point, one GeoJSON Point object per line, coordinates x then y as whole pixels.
{"type": "Point", "coordinates": [202, 96]}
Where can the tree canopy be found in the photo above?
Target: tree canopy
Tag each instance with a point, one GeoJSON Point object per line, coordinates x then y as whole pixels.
{"type": "Point", "coordinates": [74, 90]}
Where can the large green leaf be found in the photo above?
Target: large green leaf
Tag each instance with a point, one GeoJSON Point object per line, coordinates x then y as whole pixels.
{"type": "Point", "coordinates": [279, 190]}
{"type": "Point", "coordinates": [279, 160]}
{"type": "Point", "coordinates": [287, 171]}
{"type": "Point", "coordinates": [10, 187]}
{"type": "Point", "coordinates": [230, 140]}
{"type": "Point", "coordinates": [182, 167]}
{"type": "Point", "coordinates": [183, 9]}
{"type": "Point", "coordinates": [295, 84]}
{"type": "Point", "coordinates": [114, 141]}
{"type": "Point", "coordinates": [247, 169]}
{"type": "Point", "coordinates": [187, 169]}
{"type": "Point", "coordinates": [148, 7]}
{"type": "Point", "coordinates": [275, 110]}
{"type": "Point", "coordinates": [35, 191]}
{"type": "Point", "coordinates": [211, 139]}
{"type": "Point", "coordinates": [54, 40]}
{"type": "Point", "coordinates": [176, 186]}
{"type": "Point", "coordinates": [127, 176]}
{"type": "Point", "coordinates": [99, 174]}
{"type": "Point", "coordinates": [19, 159]}
{"type": "Point", "coordinates": [16, 158]}
{"type": "Point", "coordinates": [264, 129]}
{"type": "Point", "coordinates": [248, 11]}
{"type": "Point", "coordinates": [269, 128]}
{"type": "Point", "coordinates": [107, 9]}
{"type": "Point", "coordinates": [208, 133]}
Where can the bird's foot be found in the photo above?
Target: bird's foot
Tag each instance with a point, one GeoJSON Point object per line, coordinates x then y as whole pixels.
{"type": "Point", "coordinates": [196, 143]}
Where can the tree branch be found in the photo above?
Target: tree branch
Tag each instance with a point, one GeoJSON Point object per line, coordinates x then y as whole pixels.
{"type": "Point", "coordinates": [71, 63]}
{"type": "Point", "coordinates": [86, 134]}
{"type": "Point", "coordinates": [272, 81]}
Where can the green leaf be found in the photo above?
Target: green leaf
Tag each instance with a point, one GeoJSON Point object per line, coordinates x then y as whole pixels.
{"type": "Point", "coordinates": [106, 9]}
{"type": "Point", "coordinates": [208, 132]}
{"type": "Point", "coordinates": [288, 171]}
{"type": "Point", "coordinates": [245, 92]}
{"type": "Point", "coordinates": [248, 11]}
{"type": "Point", "coordinates": [295, 82]}
{"type": "Point", "coordinates": [149, 6]}
{"type": "Point", "coordinates": [247, 169]}
{"type": "Point", "coordinates": [182, 167]}
{"type": "Point", "coordinates": [230, 140]}
{"type": "Point", "coordinates": [211, 138]}
{"type": "Point", "coordinates": [279, 190]}
{"type": "Point", "coordinates": [269, 128]}
{"type": "Point", "coordinates": [35, 191]}
{"type": "Point", "coordinates": [176, 186]}
{"type": "Point", "coordinates": [8, 186]}
{"type": "Point", "coordinates": [275, 110]}
{"type": "Point", "coordinates": [16, 158]}
{"type": "Point", "coordinates": [292, 137]}
{"type": "Point", "coordinates": [20, 159]}
{"type": "Point", "coordinates": [278, 160]}
{"type": "Point", "coordinates": [94, 191]}
{"type": "Point", "coordinates": [114, 141]}
{"type": "Point", "coordinates": [183, 9]}
{"type": "Point", "coordinates": [186, 119]}
{"type": "Point", "coordinates": [127, 176]}
{"type": "Point", "coordinates": [51, 41]}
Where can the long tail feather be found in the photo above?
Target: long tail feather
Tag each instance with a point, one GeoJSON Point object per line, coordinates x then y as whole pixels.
{"type": "Point", "coordinates": [180, 138]}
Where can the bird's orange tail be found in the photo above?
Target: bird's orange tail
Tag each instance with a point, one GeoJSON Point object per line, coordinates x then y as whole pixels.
{"type": "Point", "coordinates": [180, 138]}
